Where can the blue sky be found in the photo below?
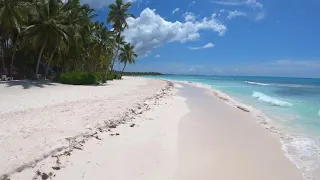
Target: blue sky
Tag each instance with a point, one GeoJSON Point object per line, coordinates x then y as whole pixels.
{"type": "Point", "coordinates": [224, 37]}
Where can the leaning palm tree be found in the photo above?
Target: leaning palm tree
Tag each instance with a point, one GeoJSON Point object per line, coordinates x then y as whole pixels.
{"type": "Point", "coordinates": [49, 27]}
{"type": "Point", "coordinates": [13, 13]}
{"type": "Point", "coordinates": [117, 17]}
{"type": "Point", "coordinates": [127, 55]}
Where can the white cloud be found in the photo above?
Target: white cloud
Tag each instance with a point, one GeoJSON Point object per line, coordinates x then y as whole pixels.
{"type": "Point", "coordinates": [150, 30]}
{"type": "Point", "coordinates": [157, 56]}
{"type": "Point", "coordinates": [189, 16]}
{"type": "Point", "coordinates": [209, 45]}
{"type": "Point", "coordinates": [101, 3]}
{"type": "Point", "coordinates": [175, 10]}
{"type": "Point", "coordinates": [249, 3]}
{"type": "Point", "coordinates": [233, 14]}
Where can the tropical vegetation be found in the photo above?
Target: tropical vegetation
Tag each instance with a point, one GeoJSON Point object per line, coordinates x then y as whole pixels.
{"type": "Point", "coordinates": [45, 37]}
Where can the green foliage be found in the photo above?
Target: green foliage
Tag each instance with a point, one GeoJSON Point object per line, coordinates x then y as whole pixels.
{"type": "Point", "coordinates": [80, 78]}
{"type": "Point", "coordinates": [113, 75]}
{"type": "Point", "coordinates": [38, 34]}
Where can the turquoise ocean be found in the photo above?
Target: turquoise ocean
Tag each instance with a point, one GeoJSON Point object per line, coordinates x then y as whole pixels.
{"type": "Point", "coordinates": [291, 107]}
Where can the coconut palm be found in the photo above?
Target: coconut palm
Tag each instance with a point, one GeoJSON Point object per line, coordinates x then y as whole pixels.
{"type": "Point", "coordinates": [127, 55]}
{"type": "Point", "coordinates": [49, 27]}
{"type": "Point", "coordinates": [13, 13]}
{"type": "Point", "coordinates": [117, 17]}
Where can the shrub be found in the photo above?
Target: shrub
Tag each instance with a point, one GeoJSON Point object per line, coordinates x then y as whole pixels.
{"type": "Point", "coordinates": [112, 76]}
{"type": "Point", "coordinates": [80, 78]}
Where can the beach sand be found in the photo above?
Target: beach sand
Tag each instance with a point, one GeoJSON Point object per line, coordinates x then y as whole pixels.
{"type": "Point", "coordinates": [185, 133]}
{"type": "Point", "coordinates": [36, 118]}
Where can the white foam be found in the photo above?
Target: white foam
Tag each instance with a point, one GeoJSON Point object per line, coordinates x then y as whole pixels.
{"type": "Point", "coordinates": [303, 152]}
{"type": "Point", "coordinates": [274, 101]}
{"type": "Point", "coordinates": [256, 83]}
{"type": "Point", "coordinates": [178, 85]}
{"type": "Point", "coordinates": [280, 85]}
{"type": "Point", "coordinates": [319, 113]}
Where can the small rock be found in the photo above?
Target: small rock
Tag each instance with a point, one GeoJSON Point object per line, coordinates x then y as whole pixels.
{"type": "Point", "coordinates": [56, 168]}
{"type": "Point", "coordinates": [117, 134]}
{"type": "Point", "coordinates": [132, 125]}
{"type": "Point", "coordinates": [44, 176]}
{"type": "Point", "coordinates": [113, 126]}
{"type": "Point", "coordinates": [38, 173]}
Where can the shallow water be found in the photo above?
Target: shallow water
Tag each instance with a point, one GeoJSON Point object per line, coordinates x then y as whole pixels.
{"type": "Point", "coordinates": [293, 104]}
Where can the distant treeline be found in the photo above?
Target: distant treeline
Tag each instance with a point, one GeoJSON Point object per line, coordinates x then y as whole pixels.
{"type": "Point", "coordinates": [141, 74]}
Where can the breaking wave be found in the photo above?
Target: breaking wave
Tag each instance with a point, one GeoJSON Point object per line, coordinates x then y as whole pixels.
{"type": "Point", "coordinates": [272, 100]}
{"type": "Point", "coordinates": [280, 85]}
{"type": "Point", "coordinates": [257, 83]}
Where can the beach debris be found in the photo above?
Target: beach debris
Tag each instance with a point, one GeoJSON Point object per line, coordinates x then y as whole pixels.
{"type": "Point", "coordinates": [56, 168]}
{"type": "Point", "coordinates": [116, 134]}
{"type": "Point", "coordinates": [132, 125]}
{"type": "Point", "coordinates": [112, 126]}
{"type": "Point", "coordinates": [243, 109]}
{"type": "Point", "coordinates": [44, 176]}
{"type": "Point", "coordinates": [78, 142]}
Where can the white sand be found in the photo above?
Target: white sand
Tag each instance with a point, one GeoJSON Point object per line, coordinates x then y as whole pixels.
{"type": "Point", "coordinates": [37, 119]}
{"type": "Point", "coordinates": [191, 135]}
{"type": "Point", "coordinates": [146, 151]}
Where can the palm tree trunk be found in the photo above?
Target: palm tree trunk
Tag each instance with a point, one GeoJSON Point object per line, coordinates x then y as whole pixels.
{"type": "Point", "coordinates": [14, 54]}
{"type": "Point", "coordinates": [2, 58]}
{"type": "Point", "coordinates": [48, 65]}
{"type": "Point", "coordinates": [118, 48]}
{"type": "Point", "coordinates": [40, 55]}
{"type": "Point", "coordinates": [125, 64]}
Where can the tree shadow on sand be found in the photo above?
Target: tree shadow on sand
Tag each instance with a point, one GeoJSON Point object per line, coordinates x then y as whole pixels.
{"type": "Point", "coordinates": [26, 84]}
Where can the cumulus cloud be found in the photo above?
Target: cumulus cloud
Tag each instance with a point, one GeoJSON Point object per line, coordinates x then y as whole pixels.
{"type": "Point", "coordinates": [209, 45]}
{"type": "Point", "coordinates": [189, 16]}
{"type": "Point", "coordinates": [249, 3]}
{"type": "Point", "coordinates": [101, 3]}
{"type": "Point", "coordinates": [233, 14]}
{"type": "Point", "coordinates": [175, 10]}
{"type": "Point", "coordinates": [157, 56]}
{"type": "Point", "coordinates": [150, 30]}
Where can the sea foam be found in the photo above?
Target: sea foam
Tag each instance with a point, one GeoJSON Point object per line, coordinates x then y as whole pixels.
{"type": "Point", "coordinates": [272, 100]}
{"type": "Point", "coordinates": [280, 85]}
{"type": "Point", "coordinates": [257, 83]}
{"type": "Point", "coordinates": [303, 152]}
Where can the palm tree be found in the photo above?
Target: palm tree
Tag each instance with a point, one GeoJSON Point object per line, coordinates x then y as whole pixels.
{"type": "Point", "coordinates": [49, 27]}
{"type": "Point", "coordinates": [127, 55]}
{"type": "Point", "coordinates": [13, 13]}
{"type": "Point", "coordinates": [117, 17]}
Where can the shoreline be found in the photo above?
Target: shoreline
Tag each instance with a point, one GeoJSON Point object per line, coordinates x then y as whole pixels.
{"type": "Point", "coordinates": [285, 138]}
{"type": "Point", "coordinates": [168, 145]}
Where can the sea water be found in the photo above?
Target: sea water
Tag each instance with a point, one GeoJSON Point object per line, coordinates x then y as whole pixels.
{"type": "Point", "coordinates": [291, 104]}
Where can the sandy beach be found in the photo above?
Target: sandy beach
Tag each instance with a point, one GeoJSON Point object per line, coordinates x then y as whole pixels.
{"type": "Point", "coordinates": [167, 131]}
